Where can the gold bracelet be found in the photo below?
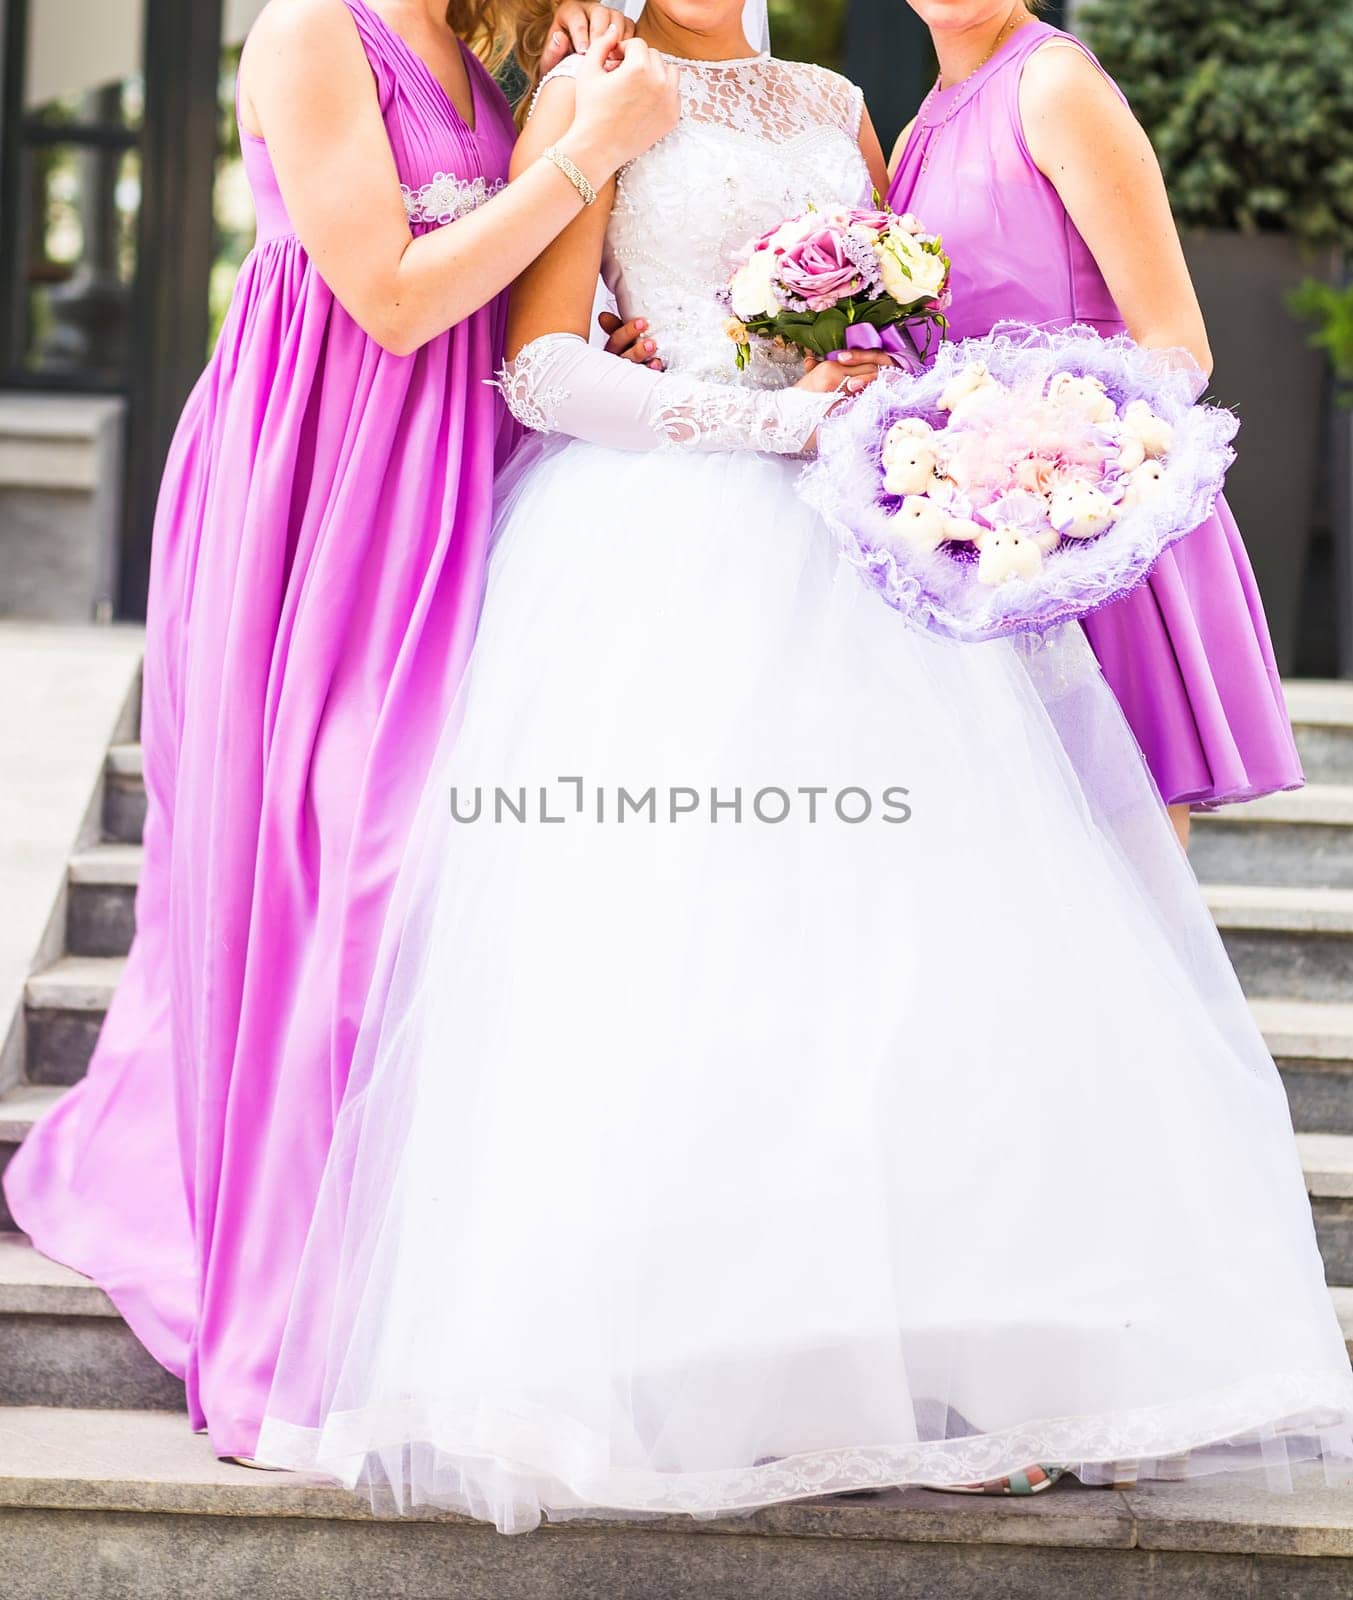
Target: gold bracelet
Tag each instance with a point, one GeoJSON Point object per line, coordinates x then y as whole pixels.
{"type": "Point", "coordinates": [573, 172]}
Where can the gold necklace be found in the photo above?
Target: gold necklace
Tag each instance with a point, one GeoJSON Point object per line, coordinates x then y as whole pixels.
{"type": "Point", "coordinates": [1005, 32]}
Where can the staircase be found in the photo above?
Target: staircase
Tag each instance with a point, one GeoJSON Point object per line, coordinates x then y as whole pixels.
{"type": "Point", "coordinates": [105, 1494]}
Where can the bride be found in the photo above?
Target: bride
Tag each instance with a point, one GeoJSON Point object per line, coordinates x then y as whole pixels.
{"type": "Point", "coordinates": [800, 1061]}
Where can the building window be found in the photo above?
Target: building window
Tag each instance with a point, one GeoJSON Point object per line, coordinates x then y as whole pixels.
{"type": "Point", "coordinates": [73, 181]}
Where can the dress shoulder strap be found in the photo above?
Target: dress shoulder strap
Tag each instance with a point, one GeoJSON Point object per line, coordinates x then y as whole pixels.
{"type": "Point", "coordinates": [384, 50]}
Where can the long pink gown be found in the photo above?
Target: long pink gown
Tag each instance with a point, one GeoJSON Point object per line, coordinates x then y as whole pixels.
{"type": "Point", "coordinates": [1188, 654]}
{"type": "Point", "coordinates": [319, 552]}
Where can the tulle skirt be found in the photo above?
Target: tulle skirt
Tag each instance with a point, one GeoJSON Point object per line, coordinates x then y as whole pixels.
{"type": "Point", "coordinates": [862, 1099]}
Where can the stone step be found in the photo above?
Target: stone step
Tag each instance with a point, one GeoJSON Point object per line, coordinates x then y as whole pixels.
{"type": "Point", "coordinates": [65, 1344]}
{"type": "Point", "coordinates": [1302, 838]}
{"type": "Point", "coordinates": [129, 1505]}
{"type": "Point", "coordinates": [101, 913]}
{"type": "Point", "coordinates": [1313, 1046]}
{"type": "Point", "coordinates": [64, 1008]}
{"type": "Point", "coordinates": [1322, 718]}
{"type": "Point", "coordinates": [124, 794]}
{"type": "Point", "coordinates": [1327, 1161]}
{"type": "Point", "coordinates": [1287, 942]}
{"type": "Point", "coordinates": [20, 1108]}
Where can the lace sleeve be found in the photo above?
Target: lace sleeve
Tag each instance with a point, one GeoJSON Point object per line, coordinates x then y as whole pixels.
{"type": "Point", "coordinates": [841, 101]}
{"type": "Point", "coordinates": [567, 68]}
{"type": "Point", "coordinates": [561, 384]}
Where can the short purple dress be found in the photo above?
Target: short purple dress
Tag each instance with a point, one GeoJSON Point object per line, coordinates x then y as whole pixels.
{"type": "Point", "coordinates": [1188, 654]}
{"type": "Point", "coordinates": [318, 565]}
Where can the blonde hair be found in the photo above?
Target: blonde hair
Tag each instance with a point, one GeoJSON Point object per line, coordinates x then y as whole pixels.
{"type": "Point", "coordinates": [532, 30]}
{"type": "Point", "coordinates": [498, 30]}
{"type": "Point", "coordinates": [487, 26]}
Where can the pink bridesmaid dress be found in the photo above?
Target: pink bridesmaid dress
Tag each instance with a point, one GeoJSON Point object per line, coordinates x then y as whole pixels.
{"type": "Point", "coordinates": [319, 553]}
{"type": "Point", "coordinates": [1188, 654]}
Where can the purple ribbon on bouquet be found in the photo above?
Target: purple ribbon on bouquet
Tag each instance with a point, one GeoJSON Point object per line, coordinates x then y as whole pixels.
{"type": "Point", "coordinates": [865, 336]}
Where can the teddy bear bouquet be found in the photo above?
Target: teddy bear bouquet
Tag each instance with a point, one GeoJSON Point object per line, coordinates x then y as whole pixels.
{"type": "Point", "coordinates": [1023, 480]}
{"type": "Point", "coordinates": [845, 278]}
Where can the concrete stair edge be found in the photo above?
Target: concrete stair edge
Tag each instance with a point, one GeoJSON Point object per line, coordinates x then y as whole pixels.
{"type": "Point", "coordinates": [1319, 702]}
{"type": "Point", "coordinates": [1317, 805]}
{"type": "Point", "coordinates": [80, 1460]}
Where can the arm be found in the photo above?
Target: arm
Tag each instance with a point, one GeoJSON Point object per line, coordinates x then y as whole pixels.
{"type": "Point", "coordinates": [1096, 155]}
{"type": "Point", "coordinates": [310, 92]}
{"type": "Point", "coordinates": [555, 382]}
{"type": "Point", "coordinates": [872, 151]}
{"type": "Point", "coordinates": [900, 148]}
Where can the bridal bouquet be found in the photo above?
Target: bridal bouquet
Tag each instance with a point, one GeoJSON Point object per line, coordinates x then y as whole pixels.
{"type": "Point", "coordinates": [1025, 479]}
{"type": "Point", "coordinates": [840, 279]}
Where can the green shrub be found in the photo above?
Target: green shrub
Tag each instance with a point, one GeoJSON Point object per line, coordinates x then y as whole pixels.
{"type": "Point", "coordinates": [809, 30]}
{"type": "Point", "coordinates": [1249, 104]}
{"type": "Point", "coordinates": [1331, 310]}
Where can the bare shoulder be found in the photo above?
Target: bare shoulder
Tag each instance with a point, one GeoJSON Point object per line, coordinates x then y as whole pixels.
{"type": "Point", "coordinates": [305, 53]}
{"type": "Point", "coordinates": [1075, 120]}
{"type": "Point", "coordinates": [305, 34]}
{"type": "Point", "coordinates": [1061, 83]}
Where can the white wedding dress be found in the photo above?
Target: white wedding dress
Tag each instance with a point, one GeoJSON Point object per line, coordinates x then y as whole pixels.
{"type": "Point", "coordinates": [694, 1162]}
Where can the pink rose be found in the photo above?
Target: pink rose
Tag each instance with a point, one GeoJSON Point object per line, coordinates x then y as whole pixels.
{"type": "Point", "coordinates": [819, 271]}
{"type": "Point", "coordinates": [866, 217]}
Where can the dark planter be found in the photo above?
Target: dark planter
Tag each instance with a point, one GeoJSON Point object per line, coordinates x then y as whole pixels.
{"type": "Point", "coordinates": [1267, 373]}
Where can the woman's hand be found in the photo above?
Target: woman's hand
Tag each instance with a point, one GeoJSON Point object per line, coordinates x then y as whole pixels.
{"type": "Point", "coordinates": [851, 361]}
{"type": "Point", "coordinates": [620, 113]}
{"type": "Point", "coordinates": [828, 377]}
{"type": "Point", "coordinates": [627, 340]}
{"type": "Point", "coordinates": [848, 377]}
{"type": "Point", "coordinates": [576, 24]}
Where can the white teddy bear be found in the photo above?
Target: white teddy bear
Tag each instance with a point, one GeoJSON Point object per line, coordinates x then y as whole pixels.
{"type": "Point", "coordinates": [910, 458]}
{"type": "Point", "coordinates": [1005, 554]}
{"type": "Point", "coordinates": [1080, 511]}
{"type": "Point", "coordinates": [969, 391]}
{"type": "Point", "coordinates": [927, 524]}
{"type": "Point", "coordinates": [922, 523]}
{"type": "Point", "coordinates": [1145, 435]}
{"type": "Point", "coordinates": [1144, 483]}
{"type": "Point", "coordinates": [1087, 394]}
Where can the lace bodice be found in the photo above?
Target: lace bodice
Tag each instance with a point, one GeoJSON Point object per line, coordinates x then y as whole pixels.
{"type": "Point", "coordinates": [757, 141]}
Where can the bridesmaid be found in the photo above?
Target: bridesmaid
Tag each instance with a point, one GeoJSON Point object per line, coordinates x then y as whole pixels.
{"type": "Point", "coordinates": [1052, 206]}
{"type": "Point", "coordinates": [319, 552]}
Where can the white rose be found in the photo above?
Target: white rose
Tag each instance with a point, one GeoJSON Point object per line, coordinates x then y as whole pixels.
{"type": "Point", "coordinates": [752, 293]}
{"type": "Point", "coordinates": [795, 231]}
{"type": "Point", "coordinates": [909, 272]}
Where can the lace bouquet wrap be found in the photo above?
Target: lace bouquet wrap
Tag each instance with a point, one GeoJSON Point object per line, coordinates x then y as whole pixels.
{"type": "Point", "coordinates": [837, 279]}
{"type": "Point", "coordinates": [1025, 479]}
